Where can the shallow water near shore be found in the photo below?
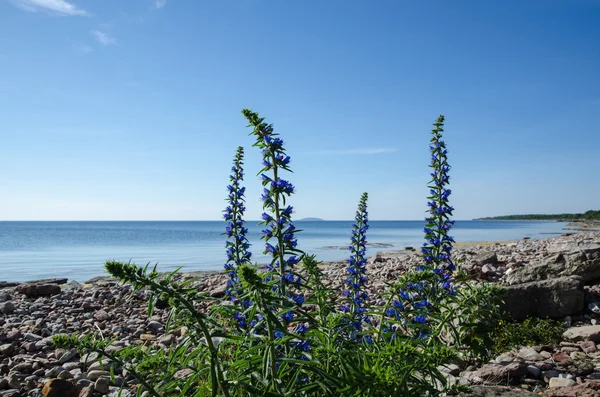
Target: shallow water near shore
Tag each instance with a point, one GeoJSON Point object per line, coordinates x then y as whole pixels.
{"type": "Point", "coordinates": [78, 250]}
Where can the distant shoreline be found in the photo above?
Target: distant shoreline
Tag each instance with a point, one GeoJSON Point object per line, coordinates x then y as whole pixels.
{"type": "Point", "coordinates": [588, 216]}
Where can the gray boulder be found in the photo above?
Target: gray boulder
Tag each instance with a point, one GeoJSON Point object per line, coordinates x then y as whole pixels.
{"type": "Point", "coordinates": [573, 260]}
{"type": "Point", "coordinates": [7, 307]}
{"type": "Point", "coordinates": [486, 258]}
{"type": "Point", "coordinates": [555, 298]}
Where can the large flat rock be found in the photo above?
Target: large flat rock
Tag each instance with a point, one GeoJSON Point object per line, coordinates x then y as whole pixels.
{"type": "Point", "coordinates": [585, 333]}
{"type": "Point", "coordinates": [569, 259]}
{"type": "Point", "coordinates": [554, 298]}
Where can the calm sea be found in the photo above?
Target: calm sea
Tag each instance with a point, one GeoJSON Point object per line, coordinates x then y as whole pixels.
{"type": "Point", "coordinates": [78, 250]}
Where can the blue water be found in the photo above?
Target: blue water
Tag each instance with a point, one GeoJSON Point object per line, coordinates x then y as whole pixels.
{"type": "Point", "coordinates": [78, 250]}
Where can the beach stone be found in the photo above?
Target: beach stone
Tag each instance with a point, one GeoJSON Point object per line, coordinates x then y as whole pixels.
{"type": "Point", "coordinates": [568, 349]}
{"type": "Point", "coordinates": [588, 346]}
{"type": "Point", "coordinates": [13, 382]}
{"type": "Point", "coordinates": [84, 383]}
{"type": "Point", "coordinates": [594, 307]}
{"type": "Point", "coordinates": [95, 374]}
{"type": "Point", "coordinates": [65, 375]}
{"type": "Point", "coordinates": [554, 298]}
{"type": "Point", "coordinates": [486, 258]}
{"type": "Point", "coordinates": [585, 333]}
{"type": "Point", "coordinates": [496, 374]}
{"type": "Point", "coordinates": [7, 350]}
{"type": "Point", "coordinates": [102, 385]}
{"type": "Point", "coordinates": [155, 327]}
{"type": "Point", "coordinates": [37, 290]}
{"type": "Point", "coordinates": [87, 391]}
{"type": "Point", "coordinates": [90, 358]}
{"type": "Point", "coordinates": [71, 365]}
{"type": "Point", "coordinates": [218, 291]}
{"type": "Point", "coordinates": [24, 368]}
{"type": "Point", "coordinates": [529, 354]}
{"type": "Point", "coordinates": [101, 315]}
{"type": "Point", "coordinates": [505, 358]}
{"type": "Point", "coordinates": [167, 339]}
{"type": "Point", "coordinates": [54, 372]}
{"type": "Point", "coordinates": [534, 371]}
{"type": "Point", "coordinates": [68, 356]}
{"type": "Point", "coordinates": [183, 373]}
{"type": "Point", "coordinates": [32, 337]}
{"type": "Point", "coordinates": [59, 388]}
{"type": "Point", "coordinates": [7, 307]}
{"type": "Point", "coordinates": [561, 382]}
{"type": "Point", "coordinates": [5, 297]}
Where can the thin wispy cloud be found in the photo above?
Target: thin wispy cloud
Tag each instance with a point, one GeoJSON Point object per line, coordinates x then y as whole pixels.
{"type": "Point", "coordinates": [61, 7]}
{"type": "Point", "coordinates": [160, 3]}
{"type": "Point", "coordinates": [103, 37]}
{"type": "Point", "coordinates": [358, 152]}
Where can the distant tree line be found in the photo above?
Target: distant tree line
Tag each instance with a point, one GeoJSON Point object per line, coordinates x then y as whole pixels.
{"type": "Point", "coordinates": [588, 215]}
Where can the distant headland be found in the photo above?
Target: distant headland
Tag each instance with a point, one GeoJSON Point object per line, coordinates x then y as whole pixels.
{"type": "Point", "coordinates": [312, 219]}
{"type": "Point", "coordinates": [586, 216]}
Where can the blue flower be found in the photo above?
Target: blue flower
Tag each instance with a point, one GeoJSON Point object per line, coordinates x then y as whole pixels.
{"type": "Point", "coordinates": [301, 329]}
{"type": "Point", "coordinates": [299, 299]}
{"type": "Point", "coordinates": [287, 316]}
{"type": "Point", "coordinates": [420, 319]}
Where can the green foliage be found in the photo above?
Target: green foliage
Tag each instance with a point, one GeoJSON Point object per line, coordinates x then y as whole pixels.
{"type": "Point", "coordinates": [473, 317]}
{"type": "Point", "coordinates": [283, 332]}
{"type": "Point", "coordinates": [530, 332]}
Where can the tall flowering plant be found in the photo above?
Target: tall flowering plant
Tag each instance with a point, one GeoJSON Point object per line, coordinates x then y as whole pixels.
{"type": "Point", "coordinates": [279, 233]}
{"type": "Point", "coordinates": [237, 244]}
{"type": "Point", "coordinates": [418, 294]}
{"type": "Point", "coordinates": [437, 249]}
{"type": "Point", "coordinates": [355, 292]}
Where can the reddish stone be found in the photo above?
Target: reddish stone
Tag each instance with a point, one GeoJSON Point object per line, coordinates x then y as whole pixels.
{"type": "Point", "coordinates": [561, 357]}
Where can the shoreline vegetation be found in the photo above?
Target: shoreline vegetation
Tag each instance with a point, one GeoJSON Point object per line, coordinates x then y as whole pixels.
{"type": "Point", "coordinates": [590, 215]}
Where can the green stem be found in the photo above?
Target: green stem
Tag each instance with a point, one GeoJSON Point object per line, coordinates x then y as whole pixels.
{"type": "Point", "coordinates": [382, 319]}
{"type": "Point", "coordinates": [276, 210]}
{"type": "Point", "coordinates": [215, 364]}
{"type": "Point", "coordinates": [272, 364]}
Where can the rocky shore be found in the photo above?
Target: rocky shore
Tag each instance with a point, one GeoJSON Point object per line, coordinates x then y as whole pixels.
{"type": "Point", "coordinates": [555, 277]}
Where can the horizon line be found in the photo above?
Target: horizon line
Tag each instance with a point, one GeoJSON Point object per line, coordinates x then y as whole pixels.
{"type": "Point", "coordinates": [213, 220]}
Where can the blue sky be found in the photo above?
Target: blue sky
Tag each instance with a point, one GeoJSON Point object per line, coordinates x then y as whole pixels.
{"type": "Point", "coordinates": [131, 109]}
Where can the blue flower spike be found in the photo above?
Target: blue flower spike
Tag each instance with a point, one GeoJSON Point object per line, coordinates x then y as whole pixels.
{"type": "Point", "coordinates": [437, 249]}
{"type": "Point", "coordinates": [355, 293]}
{"type": "Point", "coordinates": [237, 245]}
